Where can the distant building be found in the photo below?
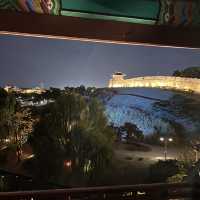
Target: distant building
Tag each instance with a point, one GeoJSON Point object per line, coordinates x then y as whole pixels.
{"type": "Point", "coordinates": [117, 79]}
{"type": "Point", "coordinates": [11, 88]}
{"type": "Point", "coordinates": [36, 90]}
{"type": "Point", "coordinates": [29, 102]}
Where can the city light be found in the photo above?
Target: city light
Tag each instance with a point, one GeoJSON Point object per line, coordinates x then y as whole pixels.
{"type": "Point", "coordinates": [162, 139]}
{"type": "Point", "coordinates": [170, 139]}
{"type": "Point", "coordinates": [7, 140]}
{"type": "Point", "coordinates": [165, 140]}
{"type": "Point", "coordinates": [67, 163]}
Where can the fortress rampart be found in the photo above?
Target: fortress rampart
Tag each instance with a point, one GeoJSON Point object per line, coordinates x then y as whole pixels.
{"type": "Point", "coordinates": [167, 82]}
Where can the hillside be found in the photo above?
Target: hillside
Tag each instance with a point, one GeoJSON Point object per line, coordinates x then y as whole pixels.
{"type": "Point", "coordinates": [148, 114]}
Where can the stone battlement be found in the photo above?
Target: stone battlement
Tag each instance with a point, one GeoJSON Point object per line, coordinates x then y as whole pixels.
{"type": "Point", "coordinates": [168, 82]}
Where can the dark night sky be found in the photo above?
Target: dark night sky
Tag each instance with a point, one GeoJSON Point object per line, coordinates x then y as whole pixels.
{"type": "Point", "coordinates": [26, 62]}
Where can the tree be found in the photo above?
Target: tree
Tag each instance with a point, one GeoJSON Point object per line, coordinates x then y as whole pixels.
{"type": "Point", "coordinates": [22, 124]}
{"type": "Point", "coordinates": [133, 132]}
{"type": "Point", "coordinates": [7, 110]}
{"type": "Point", "coordinates": [99, 136]}
{"type": "Point", "coordinates": [177, 73]}
{"type": "Point", "coordinates": [81, 90]}
{"type": "Point", "coordinates": [53, 93]}
{"type": "Point", "coordinates": [73, 130]}
{"type": "Point", "coordinates": [90, 91]}
{"type": "Point", "coordinates": [190, 72]}
{"type": "Point", "coordinates": [162, 170]}
{"type": "Point", "coordinates": [15, 122]}
{"type": "Point", "coordinates": [181, 174]}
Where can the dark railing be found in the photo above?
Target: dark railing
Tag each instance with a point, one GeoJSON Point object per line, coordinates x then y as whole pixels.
{"type": "Point", "coordinates": [160, 191]}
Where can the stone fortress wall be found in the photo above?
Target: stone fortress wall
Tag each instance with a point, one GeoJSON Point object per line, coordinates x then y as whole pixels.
{"type": "Point", "coordinates": [167, 82]}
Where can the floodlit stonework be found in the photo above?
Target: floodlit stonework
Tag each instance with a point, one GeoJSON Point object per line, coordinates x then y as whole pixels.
{"type": "Point", "coordinates": [167, 82]}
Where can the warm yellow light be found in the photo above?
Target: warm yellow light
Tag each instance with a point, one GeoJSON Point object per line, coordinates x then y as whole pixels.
{"type": "Point", "coordinates": [170, 139]}
{"type": "Point", "coordinates": [162, 139]}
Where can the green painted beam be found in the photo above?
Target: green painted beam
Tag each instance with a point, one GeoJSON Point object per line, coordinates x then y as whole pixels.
{"type": "Point", "coordinates": [143, 9]}
{"type": "Point", "coordinates": [107, 17]}
{"type": "Point", "coordinates": [142, 12]}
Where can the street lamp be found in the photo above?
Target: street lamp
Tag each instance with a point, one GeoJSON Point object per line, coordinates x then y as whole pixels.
{"type": "Point", "coordinates": [196, 148]}
{"type": "Point", "coordinates": [165, 140]}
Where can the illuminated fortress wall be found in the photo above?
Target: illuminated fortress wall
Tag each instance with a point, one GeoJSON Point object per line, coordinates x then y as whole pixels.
{"type": "Point", "coordinates": [168, 82]}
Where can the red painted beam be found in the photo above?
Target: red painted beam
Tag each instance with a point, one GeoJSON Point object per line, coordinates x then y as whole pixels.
{"type": "Point", "coordinates": [97, 30]}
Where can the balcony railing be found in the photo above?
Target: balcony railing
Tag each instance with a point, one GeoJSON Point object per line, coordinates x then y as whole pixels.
{"type": "Point", "coordinates": [160, 191]}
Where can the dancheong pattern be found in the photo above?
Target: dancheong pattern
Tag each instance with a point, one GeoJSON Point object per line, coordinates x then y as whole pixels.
{"type": "Point", "coordinates": [38, 6]}
{"type": "Point", "coordinates": [160, 12]}
{"type": "Point", "coordinates": [180, 12]}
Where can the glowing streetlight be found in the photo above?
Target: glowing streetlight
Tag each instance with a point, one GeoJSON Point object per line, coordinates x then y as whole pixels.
{"type": "Point", "coordinates": [196, 148]}
{"type": "Point", "coordinates": [67, 163]}
{"type": "Point", "coordinates": [165, 140]}
{"type": "Point", "coordinates": [170, 139]}
{"type": "Point", "coordinates": [162, 139]}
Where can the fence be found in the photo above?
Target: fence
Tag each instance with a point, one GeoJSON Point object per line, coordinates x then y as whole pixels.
{"type": "Point", "coordinates": [159, 191]}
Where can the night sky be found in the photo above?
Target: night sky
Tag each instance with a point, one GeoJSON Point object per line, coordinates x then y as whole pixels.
{"type": "Point", "coordinates": [26, 61]}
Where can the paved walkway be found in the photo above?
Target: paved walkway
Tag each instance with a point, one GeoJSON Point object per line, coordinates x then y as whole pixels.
{"type": "Point", "coordinates": [156, 153]}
